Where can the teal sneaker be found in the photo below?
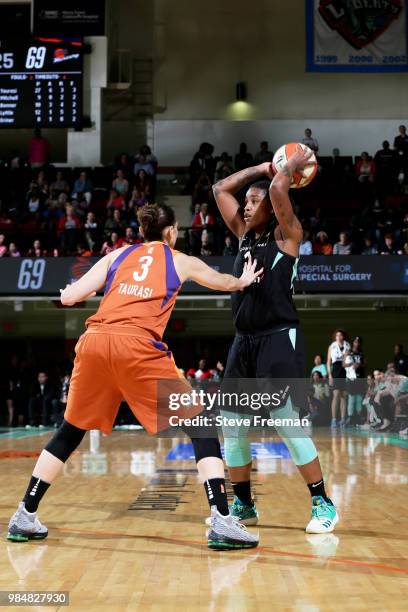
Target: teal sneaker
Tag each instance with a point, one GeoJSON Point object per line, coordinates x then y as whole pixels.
{"type": "Point", "coordinates": [246, 515]}
{"type": "Point", "coordinates": [324, 516]}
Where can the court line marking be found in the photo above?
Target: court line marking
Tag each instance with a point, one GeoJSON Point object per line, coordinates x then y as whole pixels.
{"type": "Point", "coordinates": [267, 549]}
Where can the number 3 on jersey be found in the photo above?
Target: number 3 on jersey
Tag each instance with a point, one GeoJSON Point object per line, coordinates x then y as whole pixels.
{"type": "Point", "coordinates": [145, 262]}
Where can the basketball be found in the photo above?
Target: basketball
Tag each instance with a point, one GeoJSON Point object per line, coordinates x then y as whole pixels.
{"type": "Point", "coordinates": [299, 179]}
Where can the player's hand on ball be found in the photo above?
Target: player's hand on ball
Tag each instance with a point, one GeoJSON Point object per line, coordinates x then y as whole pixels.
{"type": "Point", "coordinates": [267, 169]}
{"type": "Point", "coordinates": [249, 275]}
{"type": "Point", "coordinates": [300, 159]}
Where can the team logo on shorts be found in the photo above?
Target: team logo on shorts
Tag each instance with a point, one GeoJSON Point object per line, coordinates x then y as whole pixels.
{"type": "Point", "coordinates": [360, 22]}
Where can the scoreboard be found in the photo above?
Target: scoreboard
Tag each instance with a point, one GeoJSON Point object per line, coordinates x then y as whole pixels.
{"type": "Point", "coordinates": [40, 83]}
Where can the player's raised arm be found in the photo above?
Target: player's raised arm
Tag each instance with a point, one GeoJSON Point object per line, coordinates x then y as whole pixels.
{"type": "Point", "coordinates": [279, 194]}
{"type": "Point", "coordinates": [188, 267]}
{"type": "Point", "coordinates": [90, 283]}
{"type": "Point", "coordinates": [225, 190]}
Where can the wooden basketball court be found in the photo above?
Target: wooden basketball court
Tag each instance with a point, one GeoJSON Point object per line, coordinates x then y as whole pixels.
{"type": "Point", "coordinates": [126, 529]}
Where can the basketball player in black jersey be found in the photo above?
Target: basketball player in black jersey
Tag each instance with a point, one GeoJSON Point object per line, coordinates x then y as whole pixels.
{"type": "Point", "coordinates": [268, 342]}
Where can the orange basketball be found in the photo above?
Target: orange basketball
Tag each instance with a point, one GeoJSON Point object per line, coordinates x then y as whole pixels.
{"type": "Point", "coordinates": [299, 179]}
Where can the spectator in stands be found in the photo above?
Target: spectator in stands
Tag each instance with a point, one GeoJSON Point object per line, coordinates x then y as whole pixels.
{"type": "Point", "coordinates": [39, 404]}
{"type": "Point", "coordinates": [110, 244]}
{"type": "Point", "coordinates": [370, 248]}
{"type": "Point", "coordinates": [365, 168]}
{"type": "Point", "coordinates": [322, 245]}
{"type": "Point", "coordinates": [13, 250]}
{"type": "Point", "coordinates": [91, 230]}
{"type": "Point", "coordinates": [202, 372]}
{"type": "Point", "coordinates": [401, 148]}
{"type": "Point", "coordinates": [318, 399]}
{"type": "Point", "coordinates": [83, 185]}
{"type": "Point", "coordinates": [116, 201]}
{"type": "Point", "coordinates": [390, 247]}
{"type": "Point", "coordinates": [229, 249]}
{"type": "Point", "coordinates": [317, 221]}
{"type": "Point", "coordinates": [243, 159]}
{"type": "Point", "coordinates": [207, 220]}
{"type": "Point", "coordinates": [202, 221]}
{"type": "Point", "coordinates": [306, 247]}
{"type": "Point", "coordinates": [263, 155]}
{"type": "Point", "coordinates": [59, 404]}
{"type": "Point", "coordinates": [386, 166]}
{"type": "Point", "coordinates": [309, 141]}
{"type": "Point", "coordinates": [82, 250]}
{"type": "Point", "coordinates": [120, 183]}
{"type": "Point", "coordinates": [36, 250]}
{"type": "Point", "coordinates": [384, 399]}
{"type": "Point", "coordinates": [202, 189]}
{"type": "Point", "coordinates": [34, 203]}
{"type": "Point", "coordinates": [142, 188]}
{"type": "Point", "coordinates": [224, 167]}
{"type": "Point", "coordinates": [354, 364]}
{"type": "Point", "coordinates": [60, 185]}
{"type": "Point", "coordinates": [206, 248]}
{"type": "Point", "coordinates": [80, 205]}
{"type": "Point", "coordinates": [368, 402]}
{"type": "Point", "coordinates": [344, 246]}
{"type": "Point", "coordinates": [337, 375]}
{"type": "Point", "coordinates": [146, 152]}
{"type": "Point", "coordinates": [217, 373]}
{"type": "Point", "coordinates": [38, 150]}
{"type": "Point", "coordinates": [143, 164]}
{"type": "Point", "coordinates": [203, 161]}
{"type": "Point", "coordinates": [129, 237]}
{"type": "Point", "coordinates": [15, 160]}
{"type": "Point", "coordinates": [319, 366]}
{"type": "Point", "coordinates": [114, 222]}
{"type": "Point", "coordinates": [3, 246]}
{"type": "Point", "coordinates": [42, 183]}
{"type": "Point", "coordinates": [124, 163]}
{"type": "Point", "coordinates": [68, 229]}
{"type": "Point", "coordinates": [400, 360]}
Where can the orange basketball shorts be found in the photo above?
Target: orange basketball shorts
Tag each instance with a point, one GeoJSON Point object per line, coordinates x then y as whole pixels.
{"type": "Point", "coordinates": [111, 366]}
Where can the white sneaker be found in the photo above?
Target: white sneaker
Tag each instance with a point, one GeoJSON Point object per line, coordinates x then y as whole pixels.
{"type": "Point", "coordinates": [227, 533]}
{"type": "Point", "coordinates": [25, 526]}
{"type": "Point", "coordinates": [324, 516]}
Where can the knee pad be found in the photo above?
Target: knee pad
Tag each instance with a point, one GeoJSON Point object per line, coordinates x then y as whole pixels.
{"type": "Point", "coordinates": [206, 447]}
{"type": "Point", "coordinates": [297, 440]}
{"type": "Point", "coordinates": [65, 440]}
{"type": "Point", "coordinates": [237, 451]}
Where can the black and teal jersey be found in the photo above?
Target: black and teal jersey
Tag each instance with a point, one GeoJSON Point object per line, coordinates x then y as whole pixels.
{"type": "Point", "coordinates": [267, 303]}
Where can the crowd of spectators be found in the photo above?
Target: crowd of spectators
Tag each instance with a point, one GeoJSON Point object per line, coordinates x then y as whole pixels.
{"type": "Point", "coordinates": [365, 198]}
{"type": "Point", "coordinates": [354, 206]}
{"type": "Point", "coordinates": [32, 396]}
{"type": "Point", "coordinates": [342, 385]}
{"type": "Point", "coordinates": [46, 211]}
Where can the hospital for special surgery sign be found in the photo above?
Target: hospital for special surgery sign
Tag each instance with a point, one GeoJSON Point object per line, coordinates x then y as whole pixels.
{"type": "Point", "coordinates": [356, 36]}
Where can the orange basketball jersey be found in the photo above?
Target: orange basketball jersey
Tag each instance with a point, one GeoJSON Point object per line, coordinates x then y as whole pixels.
{"type": "Point", "coordinates": [141, 289]}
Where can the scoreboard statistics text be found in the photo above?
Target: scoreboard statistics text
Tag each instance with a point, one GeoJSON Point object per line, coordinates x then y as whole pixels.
{"type": "Point", "coordinates": [40, 83]}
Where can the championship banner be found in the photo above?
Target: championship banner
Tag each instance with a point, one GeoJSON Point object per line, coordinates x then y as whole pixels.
{"type": "Point", "coordinates": [356, 36]}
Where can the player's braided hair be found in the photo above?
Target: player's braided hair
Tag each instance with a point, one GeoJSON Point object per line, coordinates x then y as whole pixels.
{"type": "Point", "coordinates": [153, 218]}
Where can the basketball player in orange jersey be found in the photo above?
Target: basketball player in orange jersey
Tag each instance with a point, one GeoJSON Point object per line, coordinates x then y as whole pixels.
{"type": "Point", "coordinates": [121, 356]}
